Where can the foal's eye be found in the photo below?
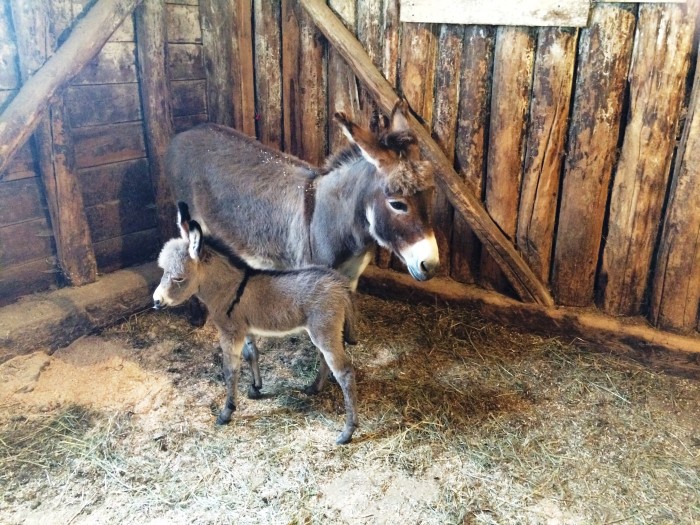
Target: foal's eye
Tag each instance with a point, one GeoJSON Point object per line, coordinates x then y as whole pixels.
{"type": "Point", "coordinates": [399, 206]}
{"type": "Point", "coordinates": [178, 279]}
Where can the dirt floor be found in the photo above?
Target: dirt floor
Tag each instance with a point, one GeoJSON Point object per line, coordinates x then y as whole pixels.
{"type": "Point", "coordinates": [462, 421]}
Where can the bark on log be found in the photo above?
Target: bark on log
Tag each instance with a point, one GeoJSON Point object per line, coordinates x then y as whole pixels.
{"type": "Point", "coordinates": [243, 69]}
{"type": "Point", "coordinates": [521, 277]}
{"type": "Point", "coordinates": [470, 153]}
{"type": "Point", "coordinates": [155, 99]}
{"type": "Point", "coordinates": [546, 140]}
{"type": "Point", "coordinates": [22, 115]}
{"type": "Point", "coordinates": [510, 99]}
{"type": "Point", "coordinates": [657, 87]}
{"type": "Point", "coordinates": [676, 286]}
{"type": "Point", "coordinates": [216, 19]}
{"type": "Point", "coordinates": [268, 77]}
{"type": "Point", "coordinates": [604, 55]}
{"type": "Point", "coordinates": [54, 144]}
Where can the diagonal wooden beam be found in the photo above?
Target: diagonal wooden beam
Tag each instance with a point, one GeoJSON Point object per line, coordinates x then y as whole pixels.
{"type": "Point", "coordinates": [524, 281]}
{"type": "Point", "coordinates": [22, 115]}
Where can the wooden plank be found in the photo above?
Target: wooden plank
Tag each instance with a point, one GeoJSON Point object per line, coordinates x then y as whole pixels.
{"type": "Point", "coordinates": [158, 113]}
{"type": "Point", "coordinates": [675, 292]}
{"type": "Point", "coordinates": [116, 62]}
{"type": "Point", "coordinates": [268, 73]}
{"type": "Point", "coordinates": [604, 56]}
{"type": "Point", "coordinates": [124, 33]}
{"type": "Point", "coordinates": [120, 181]}
{"type": "Point", "coordinates": [586, 325]}
{"type": "Point", "coordinates": [243, 89]}
{"type": "Point", "coordinates": [22, 162]}
{"type": "Point", "coordinates": [27, 278]}
{"type": "Point", "coordinates": [369, 33]}
{"type": "Point", "coordinates": [528, 287]}
{"type": "Point", "coordinates": [189, 121]}
{"type": "Point", "coordinates": [102, 104]}
{"type": "Point", "coordinates": [182, 24]}
{"type": "Point", "coordinates": [9, 73]}
{"type": "Point", "coordinates": [447, 80]}
{"type": "Point", "coordinates": [21, 117]}
{"type": "Point", "coordinates": [343, 94]}
{"type": "Point", "coordinates": [291, 70]}
{"type": "Point", "coordinates": [25, 241]}
{"type": "Point", "coordinates": [127, 250]}
{"type": "Point", "coordinates": [470, 152]}
{"type": "Point", "coordinates": [122, 217]}
{"type": "Point", "coordinates": [189, 97]}
{"type": "Point", "coordinates": [657, 87]}
{"type": "Point", "coordinates": [216, 19]}
{"type": "Point", "coordinates": [510, 99]}
{"type": "Point", "coordinates": [37, 34]}
{"type": "Point", "coordinates": [99, 145]}
{"type": "Point", "coordinates": [185, 62]}
{"type": "Point", "coordinates": [20, 201]}
{"type": "Point", "coordinates": [546, 140]}
{"type": "Point", "coordinates": [502, 13]}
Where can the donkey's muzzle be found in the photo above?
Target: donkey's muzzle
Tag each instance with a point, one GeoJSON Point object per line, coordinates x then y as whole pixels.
{"type": "Point", "coordinates": [158, 305]}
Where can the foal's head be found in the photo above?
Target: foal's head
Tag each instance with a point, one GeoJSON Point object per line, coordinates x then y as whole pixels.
{"type": "Point", "coordinates": [399, 214]}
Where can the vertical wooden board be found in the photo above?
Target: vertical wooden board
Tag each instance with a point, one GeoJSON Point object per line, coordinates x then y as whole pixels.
{"type": "Point", "coordinates": [9, 73]}
{"type": "Point", "coordinates": [660, 62]}
{"type": "Point", "coordinates": [546, 140]}
{"type": "Point", "coordinates": [313, 80]}
{"type": "Point", "coordinates": [470, 147]}
{"type": "Point", "coordinates": [675, 292]}
{"type": "Point", "coordinates": [444, 126]}
{"type": "Point", "coordinates": [369, 33]}
{"type": "Point", "coordinates": [343, 91]}
{"type": "Point", "coordinates": [605, 48]}
{"type": "Point", "coordinates": [512, 80]}
{"type": "Point", "coordinates": [243, 88]}
{"type": "Point", "coordinates": [216, 20]}
{"type": "Point", "coordinates": [291, 90]}
{"type": "Point", "coordinates": [268, 71]}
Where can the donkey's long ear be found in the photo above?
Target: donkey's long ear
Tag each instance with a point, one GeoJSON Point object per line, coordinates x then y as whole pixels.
{"type": "Point", "coordinates": [364, 139]}
{"type": "Point", "coordinates": [183, 219]}
{"type": "Point", "coordinates": [399, 120]}
{"type": "Point", "coordinates": [195, 238]}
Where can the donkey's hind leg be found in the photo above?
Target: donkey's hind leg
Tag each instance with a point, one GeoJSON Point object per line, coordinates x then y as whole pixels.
{"type": "Point", "coordinates": [231, 348]}
{"type": "Point", "coordinates": [250, 353]}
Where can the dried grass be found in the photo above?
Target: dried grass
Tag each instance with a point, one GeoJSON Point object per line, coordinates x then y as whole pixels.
{"type": "Point", "coordinates": [462, 421]}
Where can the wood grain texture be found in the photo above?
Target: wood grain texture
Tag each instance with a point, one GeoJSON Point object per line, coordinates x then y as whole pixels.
{"type": "Point", "coordinates": [150, 26]}
{"type": "Point", "coordinates": [545, 145]}
{"type": "Point", "coordinates": [510, 98]}
{"type": "Point", "coordinates": [676, 286]}
{"type": "Point", "coordinates": [182, 24]}
{"type": "Point", "coordinates": [98, 145]}
{"type": "Point", "coordinates": [268, 72]}
{"type": "Point", "coordinates": [502, 13]}
{"type": "Point", "coordinates": [116, 62]}
{"type": "Point", "coordinates": [528, 287]}
{"type": "Point", "coordinates": [243, 88]}
{"type": "Point", "coordinates": [291, 70]}
{"type": "Point", "coordinates": [102, 104]}
{"type": "Point", "coordinates": [9, 72]}
{"type": "Point", "coordinates": [657, 88]}
{"type": "Point", "coordinates": [185, 62]}
{"type": "Point", "coordinates": [188, 97]}
{"type": "Point", "coordinates": [27, 278]}
{"type": "Point", "coordinates": [470, 147]}
{"type": "Point", "coordinates": [605, 48]}
{"type": "Point", "coordinates": [216, 18]}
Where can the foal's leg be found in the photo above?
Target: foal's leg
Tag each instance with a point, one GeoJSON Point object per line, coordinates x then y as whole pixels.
{"type": "Point", "coordinates": [250, 353]}
{"type": "Point", "coordinates": [231, 349]}
{"type": "Point", "coordinates": [321, 377]}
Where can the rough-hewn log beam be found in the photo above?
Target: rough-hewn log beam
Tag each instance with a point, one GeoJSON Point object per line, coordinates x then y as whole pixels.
{"type": "Point", "coordinates": [22, 115]}
{"type": "Point", "coordinates": [526, 284]}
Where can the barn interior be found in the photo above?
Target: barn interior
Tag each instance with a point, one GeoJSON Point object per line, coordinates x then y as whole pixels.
{"type": "Point", "coordinates": [548, 374]}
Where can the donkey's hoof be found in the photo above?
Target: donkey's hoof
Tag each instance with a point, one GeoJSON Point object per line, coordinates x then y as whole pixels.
{"type": "Point", "coordinates": [254, 392]}
{"type": "Point", "coordinates": [221, 420]}
{"type": "Point", "coordinates": [344, 438]}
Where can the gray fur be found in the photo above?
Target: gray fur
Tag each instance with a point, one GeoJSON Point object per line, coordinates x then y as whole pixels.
{"type": "Point", "coordinates": [314, 299]}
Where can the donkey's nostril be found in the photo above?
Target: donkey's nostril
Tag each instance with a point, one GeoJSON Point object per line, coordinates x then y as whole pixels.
{"type": "Point", "coordinates": [428, 267]}
{"type": "Point", "coordinates": [157, 304]}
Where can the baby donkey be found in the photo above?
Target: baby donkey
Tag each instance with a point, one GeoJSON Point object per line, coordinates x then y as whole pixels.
{"type": "Point", "coordinates": [242, 301]}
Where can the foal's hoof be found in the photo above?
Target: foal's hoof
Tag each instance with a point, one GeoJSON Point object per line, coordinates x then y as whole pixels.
{"type": "Point", "coordinates": [344, 438]}
{"type": "Point", "coordinates": [254, 392]}
{"type": "Point", "coordinates": [223, 420]}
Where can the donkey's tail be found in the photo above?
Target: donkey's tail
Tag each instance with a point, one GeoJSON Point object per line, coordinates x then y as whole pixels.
{"type": "Point", "coordinates": [349, 335]}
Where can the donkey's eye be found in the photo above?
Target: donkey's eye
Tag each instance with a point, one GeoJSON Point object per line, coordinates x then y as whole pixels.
{"type": "Point", "coordinates": [178, 279]}
{"type": "Point", "coordinates": [399, 206]}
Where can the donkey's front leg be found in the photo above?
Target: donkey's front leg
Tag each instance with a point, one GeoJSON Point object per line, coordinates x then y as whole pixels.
{"type": "Point", "coordinates": [231, 348]}
{"type": "Point", "coordinates": [250, 353]}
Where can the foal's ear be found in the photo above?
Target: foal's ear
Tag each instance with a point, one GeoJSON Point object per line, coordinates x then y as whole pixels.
{"type": "Point", "coordinates": [195, 239]}
{"type": "Point", "coordinates": [183, 219]}
{"type": "Point", "coordinates": [400, 125]}
{"type": "Point", "coordinates": [364, 139]}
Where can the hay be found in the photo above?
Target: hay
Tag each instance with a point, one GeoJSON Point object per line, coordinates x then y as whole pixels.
{"type": "Point", "coordinates": [462, 421]}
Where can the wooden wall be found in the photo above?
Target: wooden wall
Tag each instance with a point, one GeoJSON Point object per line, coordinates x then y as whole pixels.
{"type": "Point", "coordinates": [581, 142]}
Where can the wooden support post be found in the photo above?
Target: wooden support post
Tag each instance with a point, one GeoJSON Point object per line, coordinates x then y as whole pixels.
{"type": "Point", "coordinates": [526, 284]}
{"type": "Point", "coordinates": [291, 72]}
{"type": "Point", "coordinates": [546, 140]}
{"type": "Point", "coordinates": [510, 98]}
{"type": "Point", "coordinates": [470, 153]}
{"type": "Point", "coordinates": [657, 88]}
{"type": "Point", "coordinates": [216, 18]}
{"type": "Point", "coordinates": [676, 287]}
{"type": "Point", "coordinates": [22, 115]}
{"type": "Point", "coordinates": [36, 31]}
{"type": "Point", "coordinates": [155, 99]}
{"type": "Point", "coordinates": [605, 49]}
{"type": "Point", "coordinates": [268, 75]}
{"type": "Point", "coordinates": [243, 69]}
